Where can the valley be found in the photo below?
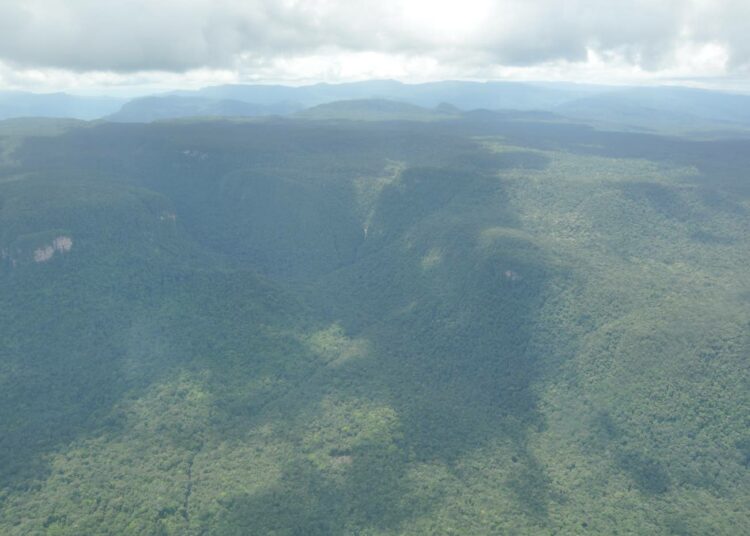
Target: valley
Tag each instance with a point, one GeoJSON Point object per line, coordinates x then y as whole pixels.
{"type": "Point", "coordinates": [352, 321]}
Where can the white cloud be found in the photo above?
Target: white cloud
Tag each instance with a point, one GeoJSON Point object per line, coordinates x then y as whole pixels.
{"type": "Point", "coordinates": [107, 43]}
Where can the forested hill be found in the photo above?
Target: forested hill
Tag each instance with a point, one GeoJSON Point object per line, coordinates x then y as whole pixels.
{"type": "Point", "coordinates": [491, 323]}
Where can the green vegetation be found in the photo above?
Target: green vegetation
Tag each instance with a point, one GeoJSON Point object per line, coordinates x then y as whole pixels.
{"type": "Point", "coordinates": [492, 324]}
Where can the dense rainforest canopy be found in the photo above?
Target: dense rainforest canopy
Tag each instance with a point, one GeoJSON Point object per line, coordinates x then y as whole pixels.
{"type": "Point", "coordinates": [439, 323]}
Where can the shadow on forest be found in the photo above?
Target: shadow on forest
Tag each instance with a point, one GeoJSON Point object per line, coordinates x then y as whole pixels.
{"type": "Point", "coordinates": [452, 353]}
{"type": "Point", "coordinates": [648, 474]}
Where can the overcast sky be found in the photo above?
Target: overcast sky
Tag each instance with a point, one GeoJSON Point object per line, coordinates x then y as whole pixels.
{"type": "Point", "coordinates": [120, 46]}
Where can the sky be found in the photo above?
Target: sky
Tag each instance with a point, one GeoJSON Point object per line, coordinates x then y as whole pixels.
{"type": "Point", "coordinates": [138, 46]}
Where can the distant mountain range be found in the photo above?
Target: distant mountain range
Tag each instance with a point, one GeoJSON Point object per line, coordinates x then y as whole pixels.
{"type": "Point", "coordinates": [464, 95]}
{"type": "Point", "coordinates": [378, 110]}
{"type": "Point", "coordinates": [659, 109]}
{"type": "Point", "coordinates": [661, 106]}
{"type": "Point", "coordinates": [280, 100]}
{"type": "Point", "coordinates": [146, 109]}
{"type": "Point", "coordinates": [23, 104]}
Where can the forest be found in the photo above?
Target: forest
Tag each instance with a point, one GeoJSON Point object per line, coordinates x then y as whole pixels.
{"type": "Point", "coordinates": [373, 319]}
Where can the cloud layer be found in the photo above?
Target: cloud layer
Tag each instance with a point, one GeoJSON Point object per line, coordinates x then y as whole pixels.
{"type": "Point", "coordinates": [474, 37]}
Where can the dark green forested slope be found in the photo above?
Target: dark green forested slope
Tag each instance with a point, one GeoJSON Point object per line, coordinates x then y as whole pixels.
{"type": "Point", "coordinates": [498, 324]}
